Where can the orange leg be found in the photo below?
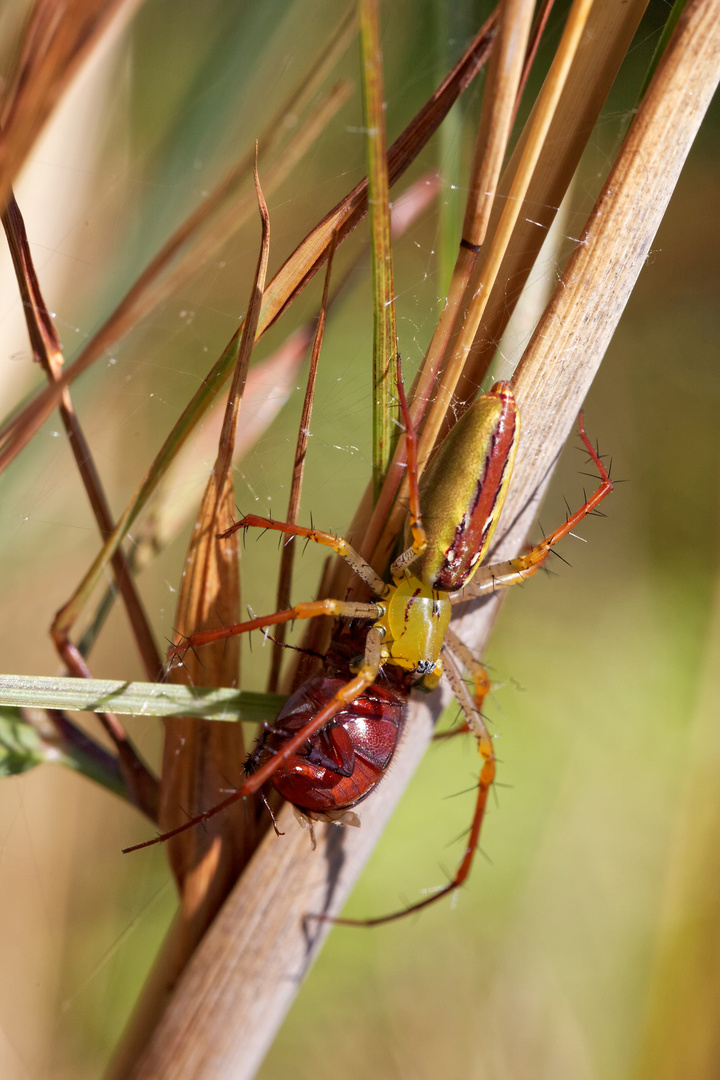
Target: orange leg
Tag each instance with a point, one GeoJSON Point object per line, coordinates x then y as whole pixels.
{"type": "Point", "coordinates": [340, 546]}
{"type": "Point", "coordinates": [417, 531]}
{"type": "Point", "coordinates": [501, 575]}
{"type": "Point", "coordinates": [487, 775]}
{"type": "Point", "coordinates": [335, 608]}
{"type": "Point", "coordinates": [481, 682]}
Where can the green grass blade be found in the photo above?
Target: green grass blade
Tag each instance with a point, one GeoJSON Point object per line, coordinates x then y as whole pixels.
{"type": "Point", "coordinates": [384, 337]}
{"type": "Point", "coordinates": [137, 698]}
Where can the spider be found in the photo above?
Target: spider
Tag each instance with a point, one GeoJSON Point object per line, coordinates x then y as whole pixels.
{"type": "Point", "coordinates": [334, 738]}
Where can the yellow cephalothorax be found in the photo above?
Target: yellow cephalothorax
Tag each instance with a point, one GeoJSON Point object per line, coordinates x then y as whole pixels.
{"type": "Point", "coordinates": [415, 622]}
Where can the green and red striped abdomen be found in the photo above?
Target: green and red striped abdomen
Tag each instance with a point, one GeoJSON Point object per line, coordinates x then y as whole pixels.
{"type": "Point", "coordinates": [463, 490]}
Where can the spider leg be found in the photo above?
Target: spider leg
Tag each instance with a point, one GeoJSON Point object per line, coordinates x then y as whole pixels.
{"type": "Point", "coordinates": [514, 571]}
{"type": "Point", "coordinates": [335, 608]}
{"type": "Point", "coordinates": [354, 560]}
{"type": "Point", "coordinates": [474, 667]}
{"type": "Point", "coordinates": [487, 775]}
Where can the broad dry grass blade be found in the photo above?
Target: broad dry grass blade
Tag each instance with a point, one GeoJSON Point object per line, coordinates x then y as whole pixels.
{"type": "Point", "coordinates": [200, 760]}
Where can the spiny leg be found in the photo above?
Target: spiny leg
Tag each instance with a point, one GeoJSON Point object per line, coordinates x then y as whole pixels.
{"type": "Point", "coordinates": [514, 571]}
{"type": "Point", "coordinates": [342, 609]}
{"type": "Point", "coordinates": [474, 667]}
{"type": "Point", "coordinates": [487, 775]}
{"type": "Point", "coordinates": [354, 560]}
{"type": "Point", "coordinates": [481, 681]}
{"type": "Point", "coordinates": [365, 677]}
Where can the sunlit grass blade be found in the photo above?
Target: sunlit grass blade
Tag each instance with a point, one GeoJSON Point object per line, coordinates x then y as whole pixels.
{"type": "Point", "coordinates": [137, 698]}
{"type": "Point", "coordinates": [385, 335]}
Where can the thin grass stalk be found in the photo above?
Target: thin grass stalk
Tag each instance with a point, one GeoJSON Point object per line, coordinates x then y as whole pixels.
{"type": "Point", "coordinates": [287, 558]}
{"type": "Point", "coordinates": [385, 334]}
{"type": "Point", "coordinates": [611, 28]}
{"type": "Point", "coordinates": [206, 861]}
{"type": "Point", "coordinates": [175, 499]}
{"type": "Point", "coordinates": [246, 971]}
{"type": "Point", "coordinates": [492, 259]}
{"type": "Point", "coordinates": [533, 148]}
{"type": "Point", "coordinates": [47, 351]}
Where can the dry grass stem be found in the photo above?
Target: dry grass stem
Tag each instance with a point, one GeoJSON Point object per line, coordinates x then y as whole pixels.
{"type": "Point", "coordinates": [287, 560]}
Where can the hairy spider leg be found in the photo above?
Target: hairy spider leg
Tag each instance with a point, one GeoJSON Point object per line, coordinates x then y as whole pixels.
{"type": "Point", "coordinates": [476, 724]}
{"type": "Point", "coordinates": [341, 609]}
{"type": "Point", "coordinates": [514, 571]}
{"type": "Point", "coordinates": [341, 547]}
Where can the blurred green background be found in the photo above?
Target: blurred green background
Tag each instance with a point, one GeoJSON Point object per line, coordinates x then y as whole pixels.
{"type": "Point", "coordinates": [549, 961]}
